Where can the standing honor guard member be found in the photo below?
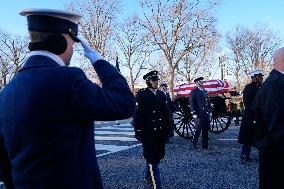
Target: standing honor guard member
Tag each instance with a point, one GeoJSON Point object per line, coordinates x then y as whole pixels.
{"type": "Point", "coordinates": [200, 109]}
{"type": "Point", "coordinates": [164, 88]}
{"type": "Point", "coordinates": [47, 111]}
{"type": "Point", "coordinates": [268, 105]}
{"type": "Point", "coordinates": [152, 123]}
{"type": "Point", "coordinates": [247, 129]}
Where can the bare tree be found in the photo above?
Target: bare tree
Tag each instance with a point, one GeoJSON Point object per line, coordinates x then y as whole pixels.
{"type": "Point", "coordinates": [132, 40]}
{"type": "Point", "coordinates": [252, 48]}
{"type": "Point", "coordinates": [98, 23]}
{"type": "Point", "coordinates": [177, 27]}
{"type": "Point", "coordinates": [199, 61]}
{"type": "Point", "coordinates": [13, 51]}
{"type": "Point", "coordinates": [159, 63]}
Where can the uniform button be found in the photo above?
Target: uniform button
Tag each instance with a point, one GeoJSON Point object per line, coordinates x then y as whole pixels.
{"type": "Point", "coordinates": [154, 111]}
{"type": "Point", "coordinates": [160, 119]}
{"type": "Point", "coordinates": [153, 120]}
{"type": "Point", "coordinates": [154, 129]}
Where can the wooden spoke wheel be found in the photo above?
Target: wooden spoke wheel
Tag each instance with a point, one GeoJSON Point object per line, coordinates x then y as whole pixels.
{"type": "Point", "coordinates": [220, 123]}
{"type": "Point", "coordinates": [184, 125]}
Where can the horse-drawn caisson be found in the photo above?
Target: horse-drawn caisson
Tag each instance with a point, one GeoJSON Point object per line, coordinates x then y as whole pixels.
{"type": "Point", "coordinates": [221, 112]}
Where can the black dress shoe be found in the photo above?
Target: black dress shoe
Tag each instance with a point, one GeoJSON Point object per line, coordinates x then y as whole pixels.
{"type": "Point", "coordinates": [243, 157]}
{"type": "Point", "coordinates": [147, 182]}
{"type": "Point", "coordinates": [207, 147]}
{"type": "Point", "coordinates": [194, 144]}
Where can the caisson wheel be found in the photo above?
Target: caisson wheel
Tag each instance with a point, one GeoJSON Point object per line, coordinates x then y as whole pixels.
{"type": "Point", "coordinates": [220, 123]}
{"type": "Point", "coordinates": [184, 125]}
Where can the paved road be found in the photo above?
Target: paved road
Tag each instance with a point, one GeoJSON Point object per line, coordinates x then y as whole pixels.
{"type": "Point", "coordinates": [122, 164]}
{"type": "Point", "coordinates": [111, 138]}
{"type": "Point", "coordinates": [183, 167]}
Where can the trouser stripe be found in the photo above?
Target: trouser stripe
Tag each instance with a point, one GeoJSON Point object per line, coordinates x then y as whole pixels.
{"type": "Point", "coordinates": [152, 176]}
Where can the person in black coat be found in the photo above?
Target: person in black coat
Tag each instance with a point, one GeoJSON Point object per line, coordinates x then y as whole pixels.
{"type": "Point", "coordinates": [152, 124]}
{"type": "Point", "coordinates": [164, 88]}
{"type": "Point", "coordinates": [268, 106]}
{"type": "Point", "coordinates": [247, 128]}
{"type": "Point", "coordinates": [200, 109]}
{"type": "Point", "coordinates": [47, 111]}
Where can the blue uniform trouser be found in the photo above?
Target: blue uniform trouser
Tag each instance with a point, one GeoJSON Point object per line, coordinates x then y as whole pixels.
{"type": "Point", "coordinates": [152, 174]}
{"type": "Point", "coordinates": [204, 137]}
{"type": "Point", "coordinates": [246, 149]}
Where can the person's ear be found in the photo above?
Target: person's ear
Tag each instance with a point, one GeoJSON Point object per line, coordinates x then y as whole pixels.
{"type": "Point", "coordinates": [56, 44]}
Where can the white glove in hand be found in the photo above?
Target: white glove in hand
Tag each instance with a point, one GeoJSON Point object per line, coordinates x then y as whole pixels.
{"type": "Point", "coordinates": [91, 54]}
{"type": "Point", "coordinates": [194, 116]}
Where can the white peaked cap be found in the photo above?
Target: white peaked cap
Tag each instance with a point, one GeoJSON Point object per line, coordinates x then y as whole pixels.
{"type": "Point", "coordinates": [254, 73]}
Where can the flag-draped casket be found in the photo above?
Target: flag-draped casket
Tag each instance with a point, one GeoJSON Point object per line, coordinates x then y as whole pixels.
{"type": "Point", "coordinates": [212, 86]}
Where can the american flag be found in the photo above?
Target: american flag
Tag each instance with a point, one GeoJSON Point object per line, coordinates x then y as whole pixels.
{"type": "Point", "coordinates": [212, 86]}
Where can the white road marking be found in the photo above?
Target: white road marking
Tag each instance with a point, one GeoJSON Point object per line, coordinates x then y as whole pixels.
{"type": "Point", "coordinates": [114, 138]}
{"type": "Point", "coordinates": [111, 148]}
{"type": "Point", "coordinates": [103, 154]}
{"type": "Point", "coordinates": [115, 133]}
{"type": "Point", "coordinates": [114, 128]}
{"type": "Point", "coordinates": [111, 133]}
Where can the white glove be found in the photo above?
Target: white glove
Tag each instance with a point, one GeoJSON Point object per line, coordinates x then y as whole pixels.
{"type": "Point", "coordinates": [194, 116]}
{"type": "Point", "coordinates": [91, 54]}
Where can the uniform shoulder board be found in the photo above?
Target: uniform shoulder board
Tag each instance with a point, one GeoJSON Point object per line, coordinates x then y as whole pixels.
{"type": "Point", "coordinates": [140, 90]}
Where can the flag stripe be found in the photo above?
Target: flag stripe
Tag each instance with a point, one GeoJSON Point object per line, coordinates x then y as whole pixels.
{"type": "Point", "coordinates": [212, 86]}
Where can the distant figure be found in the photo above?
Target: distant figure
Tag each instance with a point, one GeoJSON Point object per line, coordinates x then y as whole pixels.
{"type": "Point", "coordinates": [47, 111]}
{"type": "Point", "coordinates": [247, 128]}
{"type": "Point", "coordinates": [268, 105]}
{"type": "Point", "coordinates": [200, 109]}
{"type": "Point", "coordinates": [164, 88]}
{"type": "Point", "coordinates": [234, 92]}
{"type": "Point", "coordinates": [234, 106]}
{"type": "Point", "coordinates": [152, 123]}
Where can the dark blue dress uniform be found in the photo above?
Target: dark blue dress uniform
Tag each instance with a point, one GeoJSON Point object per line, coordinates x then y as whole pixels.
{"type": "Point", "coordinates": [201, 107]}
{"type": "Point", "coordinates": [47, 115]}
{"type": "Point", "coordinates": [153, 119]}
{"type": "Point", "coordinates": [268, 106]}
{"type": "Point", "coordinates": [247, 128]}
{"type": "Point", "coordinates": [171, 107]}
{"type": "Point", "coordinates": [46, 123]}
{"type": "Point", "coordinates": [152, 125]}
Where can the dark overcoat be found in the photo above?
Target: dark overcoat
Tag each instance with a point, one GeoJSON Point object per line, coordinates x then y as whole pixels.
{"type": "Point", "coordinates": [247, 128]}
{"type": "Point", "coordinates": [153, 119]}
{"type": "Point", "coordinates": [268, 105]}
{"type": "Point", "coordinates": [47, 115]}
{"type": "Point", "coordinates": [200, 105]}
{"type": "Point", "coordinates": [170, 103]}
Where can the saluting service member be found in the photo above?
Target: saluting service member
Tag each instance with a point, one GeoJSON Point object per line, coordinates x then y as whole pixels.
{"type": "Point", "coordinates": [152, 123]}
{"type": "Point", "coordinates": [200, 109]}
{"type": "Point", "coordinates": [47, 111]}
{"type": "Point", "coordinates": [247, 129]}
